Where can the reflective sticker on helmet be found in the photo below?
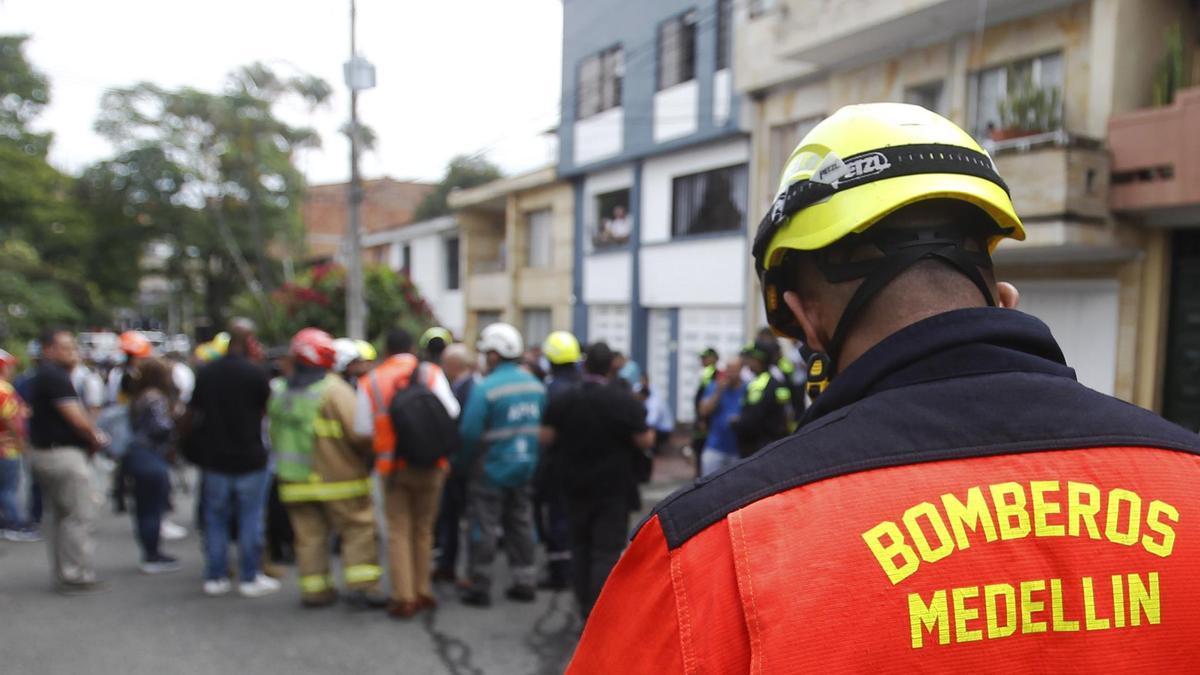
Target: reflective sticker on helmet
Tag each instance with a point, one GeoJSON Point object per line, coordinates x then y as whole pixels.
{"type": "Point", "coordinates": [831, 169]}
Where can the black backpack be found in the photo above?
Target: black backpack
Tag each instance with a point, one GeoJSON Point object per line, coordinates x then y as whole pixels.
{"type": "Point", "coordinates": [425, 432]}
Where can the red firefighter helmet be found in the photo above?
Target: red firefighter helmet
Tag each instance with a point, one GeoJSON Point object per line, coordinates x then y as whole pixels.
{"type": "Point", "coordinates": [135, 344]}
{"type": "Point", "coordinates": [314, 347]}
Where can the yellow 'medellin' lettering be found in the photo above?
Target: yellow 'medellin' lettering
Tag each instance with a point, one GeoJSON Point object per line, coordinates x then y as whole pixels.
{"type": "Point", "coordinates": [1078, 510]}
{"type": "Point", "coordinates": [1061, 625]}
{"type": "Point", "coordinates": [1118, 587]}
{"type": "Point", "coordinates": [931, 616]}
{"type": "Point", "coordinates": [1029, 607]}
{"type": "Point", "coordinates": [912, 523]}
{"type": "Point", "coordinates": [1006, 511]}
{"type": "Point", "coordinates": [1143, 600]}
{"type": "Point", "coordinates": [1089, 608]}
{"type": "Point", "coordinates": [886, 555]}
{"type": "Point", "coordinates": [1042, 508]}
{"type": "Point", "coordinates": [1112, 525]}
{"type": "Point", "coordinates": [990, 593]}
{"type": "Point", "coordinates": [1160, 548]}
{"type": "Point", "coordinates": [963, 614]}
{"type": "Point", "coordinates": [974, 514]}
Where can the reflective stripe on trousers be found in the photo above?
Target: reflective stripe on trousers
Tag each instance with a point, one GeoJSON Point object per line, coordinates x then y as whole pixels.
{"type": "Point", "coordinates": [315, 583]}
{"type": "Point", "coordinates": [324, 492]}
{"type": "Point", "coordinates": [357, 574]}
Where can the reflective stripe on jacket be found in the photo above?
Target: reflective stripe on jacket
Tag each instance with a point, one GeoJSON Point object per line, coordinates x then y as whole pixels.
{"type": "Point", "coordinates": [500, 425]}
{"type": "Point", "coordinates": [339, 465]}
{"type": "Point", "coordinates": [954, 502]}
{"type": "Point", "coordinates": [380, 387]}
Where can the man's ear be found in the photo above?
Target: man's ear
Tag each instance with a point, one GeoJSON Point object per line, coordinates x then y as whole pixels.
{"type": "Point", "coordinates": [807, 316]}
{"type": "Point", "coordinates": [1007, 295]}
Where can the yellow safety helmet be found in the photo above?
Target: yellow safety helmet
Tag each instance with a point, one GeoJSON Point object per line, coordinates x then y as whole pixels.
{"type": "Point", "coordinates": [366, 350]}
{"type": "Point", "coordinates": [561, 348]}
{"type": "Point", "coordinates": [861, 164]}
{"type": "Point", "coordinates": [437, 332]}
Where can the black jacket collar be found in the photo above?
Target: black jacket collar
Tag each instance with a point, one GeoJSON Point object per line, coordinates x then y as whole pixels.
{"type": "Point", "coordinates": [954, 344]}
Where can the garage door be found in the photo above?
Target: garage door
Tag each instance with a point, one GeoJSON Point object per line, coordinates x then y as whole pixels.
{"type": "Point", "coordinates": [700, 327]}
{"type": "Point", "coordinates": [1083, 315]}
{"type": "Point", "coordinates": [609, 323]}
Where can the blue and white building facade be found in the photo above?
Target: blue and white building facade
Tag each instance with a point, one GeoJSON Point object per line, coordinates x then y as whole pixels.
{"type": "Point", "coordinates": [652, 143]}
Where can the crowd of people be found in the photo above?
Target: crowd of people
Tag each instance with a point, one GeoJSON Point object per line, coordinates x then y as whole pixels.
{"type": "Point", "coordinates": [472, 448]}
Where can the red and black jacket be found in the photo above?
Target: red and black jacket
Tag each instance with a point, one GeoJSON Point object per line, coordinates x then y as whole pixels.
{"type": "Point", "coordinates": [954, 501]}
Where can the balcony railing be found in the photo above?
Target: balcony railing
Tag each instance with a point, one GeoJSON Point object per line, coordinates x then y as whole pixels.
{"type": "Point", "coordinates": [1156, 156]}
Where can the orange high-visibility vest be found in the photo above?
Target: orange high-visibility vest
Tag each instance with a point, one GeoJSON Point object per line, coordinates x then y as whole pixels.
{"type": "Point", "coordinates": [381, 385]}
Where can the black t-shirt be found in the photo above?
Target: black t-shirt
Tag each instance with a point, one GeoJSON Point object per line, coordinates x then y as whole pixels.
{"type": "Point", "coordinates": [51, 386]}
{"type": "Point", "coordinates": [227, 409]}
{"type": "Point", "coordinates": [595, 424]}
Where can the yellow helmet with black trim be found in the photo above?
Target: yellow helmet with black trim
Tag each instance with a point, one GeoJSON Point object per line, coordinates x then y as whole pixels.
{"type": "Point", "coordinates": [861, 164]}
{"type": "Point", "coordinates": [436, 333]}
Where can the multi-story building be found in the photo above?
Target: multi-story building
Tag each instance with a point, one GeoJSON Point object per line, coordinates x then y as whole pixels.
{"type": "Point", "coordinates": [518, 235]}
{"type": "Point", "coordinates": [428, 252]}
{"type": "Point", "coordinates": [387, 203]}
{"type": "Point", "coordinates": [1100, 248]}
{"type": "Point", "coordinates": [652, 144]}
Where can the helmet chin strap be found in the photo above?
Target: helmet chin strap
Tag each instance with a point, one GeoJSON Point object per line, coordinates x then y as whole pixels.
{"type": "Point", "coordinates": [902, 248]}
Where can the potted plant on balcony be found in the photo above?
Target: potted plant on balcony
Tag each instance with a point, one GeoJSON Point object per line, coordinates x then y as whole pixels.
{"type": "Point", "coordinates": [1028, 109]}
{"type": "Point", "coordinates": [1171, 74]}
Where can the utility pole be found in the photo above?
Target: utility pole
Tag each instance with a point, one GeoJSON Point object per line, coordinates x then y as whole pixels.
{"type": "Point", "coordinates": [360, 75]}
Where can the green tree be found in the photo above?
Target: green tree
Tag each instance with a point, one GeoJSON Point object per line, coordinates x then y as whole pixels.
{"type": "Point", "coordinates": [462, 172]}
{"type": "Point", "coordinates": [45, 272]}
{"type": "Point", "coordinates": [236, 162]}
{"type": "Point", "coordinates": [318, 298]}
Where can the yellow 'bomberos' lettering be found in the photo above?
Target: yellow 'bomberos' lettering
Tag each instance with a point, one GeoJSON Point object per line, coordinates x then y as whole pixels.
{"type": "Point", "coordinates": [886, 554]}
{"type": "Point", "coordinates": [932, 531]}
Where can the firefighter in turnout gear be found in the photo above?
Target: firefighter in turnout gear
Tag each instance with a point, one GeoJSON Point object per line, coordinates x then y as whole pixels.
{"type": "Point", "coordinates": [324, 473]}
{"type": "Point", "coordinates": [954, 501]}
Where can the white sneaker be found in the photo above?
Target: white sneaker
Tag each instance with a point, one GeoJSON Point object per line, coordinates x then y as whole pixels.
{"type": "Point", "coordinates": [262, 585]}
{"type": "Point", "coordinates": [171, 532]}
{"type": "Point", "coordinates": [215, 587]}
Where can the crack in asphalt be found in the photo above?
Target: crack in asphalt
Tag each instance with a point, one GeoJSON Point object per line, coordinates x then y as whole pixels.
{"type": "Point", "coordinates": [453, 652]}
{"type": "Point", "coordinates": [550, 644]}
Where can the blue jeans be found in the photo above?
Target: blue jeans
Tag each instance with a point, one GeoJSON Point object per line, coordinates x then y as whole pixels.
{"type": "Point", "coordinates": [245, 496]}
{"type": "Point", "coordinates": [10, 505]}
{"type": "Point", "coordinates": [151, 493]}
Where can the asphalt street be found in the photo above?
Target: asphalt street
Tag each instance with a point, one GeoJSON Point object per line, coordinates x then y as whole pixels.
{"type": "Point", "coordinates": [164, 624]}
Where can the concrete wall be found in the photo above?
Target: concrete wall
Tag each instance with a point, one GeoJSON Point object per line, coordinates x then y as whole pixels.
{"type": "Point", "coordinates": [429, 274]}
{"type": "Point", "coordinates": [544, 287]}
{"type": "Point", "coordinates": [696, 272]}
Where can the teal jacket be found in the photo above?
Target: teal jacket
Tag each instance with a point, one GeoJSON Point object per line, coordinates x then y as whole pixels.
{"type": "Point", "coordinates": [500, 425]}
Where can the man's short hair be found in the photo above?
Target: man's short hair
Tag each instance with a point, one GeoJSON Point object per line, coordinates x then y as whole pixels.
{"type": "Point", "coordinates": [48, 335]}
{"type": "Point", "coordinates": [398, 341]}
{"type": "Point", "coordinates": [598, 359]}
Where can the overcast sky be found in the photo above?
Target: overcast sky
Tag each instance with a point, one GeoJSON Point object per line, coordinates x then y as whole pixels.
{"type": "Point", "coordinates": [454, 76]}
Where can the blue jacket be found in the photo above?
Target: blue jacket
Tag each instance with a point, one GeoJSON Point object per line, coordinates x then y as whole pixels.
{"type": "Point", "coordinates": [500, 426]}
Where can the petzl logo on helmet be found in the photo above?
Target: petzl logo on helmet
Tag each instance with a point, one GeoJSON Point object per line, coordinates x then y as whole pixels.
{"type": "Point", "coordinates": [862, 167]}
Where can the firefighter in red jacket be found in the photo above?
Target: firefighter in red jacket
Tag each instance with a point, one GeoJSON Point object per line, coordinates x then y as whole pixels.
{"type": "Point", "coordinates": [954, 501]}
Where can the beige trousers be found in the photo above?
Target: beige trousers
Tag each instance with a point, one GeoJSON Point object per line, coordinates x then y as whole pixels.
{"type": "Point", "coordinates": [65, 476]}
{"type": "Point", "coordinates": [353, 520]}
{"type": "Point", "coordinates": [411, 498]}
